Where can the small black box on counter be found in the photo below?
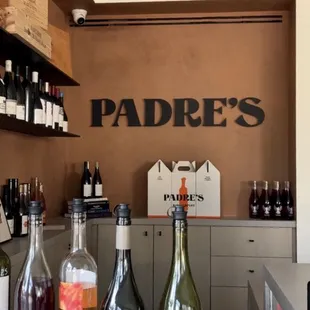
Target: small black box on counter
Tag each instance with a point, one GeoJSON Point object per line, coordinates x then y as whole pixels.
{"type": "Point", "coordinates": [96, 208]}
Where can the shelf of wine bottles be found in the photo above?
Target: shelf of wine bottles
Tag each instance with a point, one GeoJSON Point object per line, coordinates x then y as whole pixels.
{"type": "Point", "coordinates": [16, 50]}
{"type": "Point", "coordinates": [31, 106]}
{"type": "Point", "coordinates": [274, 204]}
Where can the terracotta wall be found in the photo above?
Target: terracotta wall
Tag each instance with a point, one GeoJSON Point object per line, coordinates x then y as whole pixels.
{"type": "Point", "coordinates": [197, 61]}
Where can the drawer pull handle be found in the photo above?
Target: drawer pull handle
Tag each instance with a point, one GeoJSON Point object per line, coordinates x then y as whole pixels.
{"type": "Point", "coordinates": [251, 240]}
{"type": "Point", "coordinates": [145, 233]}
{"type": "Point", "coordinates": [159, 233]}
{"type": "Point", "coordinates": [251, 271]}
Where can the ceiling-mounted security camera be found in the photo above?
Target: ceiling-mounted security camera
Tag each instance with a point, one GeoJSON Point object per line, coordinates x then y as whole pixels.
{"type": "Point", "coordinates": [79, 16]}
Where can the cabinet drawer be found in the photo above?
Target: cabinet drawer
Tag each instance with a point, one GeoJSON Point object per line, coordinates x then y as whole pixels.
{"type": "Point", "coordinates": [230, 298]}
{"type": "Point", "coordinates": [236, 271]}
{"type": "Point", "coordinates": [251, 241]}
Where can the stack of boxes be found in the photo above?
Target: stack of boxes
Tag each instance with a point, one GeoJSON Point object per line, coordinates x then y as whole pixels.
{"type": "Point", "coordinates": [27, 20]}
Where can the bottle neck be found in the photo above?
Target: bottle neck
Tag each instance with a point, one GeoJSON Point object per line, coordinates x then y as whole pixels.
{"type": "Point", "coordinates": [180, 260]}
{"type": "Point", "coordinates": [36, 234]}
{"type": "Point", "coordinates": [78, 222]}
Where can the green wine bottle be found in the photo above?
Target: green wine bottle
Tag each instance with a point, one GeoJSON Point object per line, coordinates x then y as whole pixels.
{"type": "Point", "coordinates": [180, 291]}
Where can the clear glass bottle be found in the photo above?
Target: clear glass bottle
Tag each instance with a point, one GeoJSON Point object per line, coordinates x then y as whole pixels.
{"type": "Point", "coordinates": [34, 288]}
{"type": "Point", "coordinates": [180, 292]}
{"type": "Point", "coordinates": [78, 271]}
{"type": "Point", "coordinates": [123, 292]}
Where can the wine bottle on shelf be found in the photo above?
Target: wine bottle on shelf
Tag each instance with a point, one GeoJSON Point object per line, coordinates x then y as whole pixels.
{"type": "Point", "coordinates": [37, 106]}
{"type": "Point", "coordinates": [34, 287]}
{"type": "Point", "coordinates": [97, 182]}
{"type": "Point", "coordinates": [20, 95]}
{"type": "Point", "coordinates": [55, 109]}
{"type": "Point", "coordinates": [11, 184]}
{"type": "Point", "coordinates": [5, 273]}
{"type": "Point", "coordinates": [11, 97]}
{"type": "Point", "coordinates": [287, 202]}
{"type": "Point", "coordinates": [35, 189]}
{"type": "Point", "coordinates": [7, 208]}
{"type": "Point", "coordinates": [43, 203]}
{"type": "Point", "coordinates": [180, 290]}
{"type": "Point", "coordinates": [275, 201]}
{"type": "Point", "coordinates": [28, 91]}
{"type": "Point", "coordinates": [61, 110]}
{"type": "Point", "coordinates": [49, 106]}
{"type": "Point", "coordinates": [43, 102]}
{"type": "Point", "coordinates": [2, 97]}
{"type": "Point", "coordinates": [21, 215]}
{"type": "Point", "coordinates": [253, 202]}
{"type": "Point", "coordinates": [78, 271]}
{"type": "Point", "coordinates": [86, 181]}
{"type": "Point", "coordinates": [264, 202]}
{"type": "Point", "coordinates": [65, 121]}
{"type": "Point", "coordinates": [123, 291]}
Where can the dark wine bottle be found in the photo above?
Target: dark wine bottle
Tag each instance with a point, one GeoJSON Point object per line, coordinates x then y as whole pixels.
{"type": "Point", "coordinates": [27, 91]}
{"type": "Point", "coordinates": [5, 273]}
{"type": "Point", "coordinates": [253, 202]}
{"type": "Point", "coordinates": [264, 202]}
{"type": "Point", "coordinates": [21, 215]}
{"type": "Point", "coordinates": [11, 97]}
{"type": "Point", "coordinates": [97, 182]}
{"type": "Point", "coordinates": [11, 184]}
{"type": "Point", "coordinates": [43, 102]}
{"type": "Point", "coordinates": [20, 95]}
{"type": "Point", "coordinates": [65, 121]}
{"type": "Point", "coordinates": [275, 201]}
{"type": "Point", "coordinates": [86, 181]}
{"type": "Point", "coordinates": [49, 106]}
{"type": "Point", "coordinates": [34, 287]}
{"type": "Point", "coordinates": [37, 106]}
{"type": "Point", "coordinates": [287, 202]}
{"type": "Point", "coordinates": [123, 292]}
{"type": "Point", "coordinates": [61, 110]}
{"type": "Point", "coordinates": [180, 291]}
{"type": "Point", "coordinates": [2, 97]}
{"type": "Point", "coordinates": [55, 108]}
{"type": "Point", "coordinates": [7, 207]}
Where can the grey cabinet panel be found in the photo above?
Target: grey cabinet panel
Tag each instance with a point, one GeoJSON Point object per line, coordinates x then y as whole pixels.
{"type": "Point", "coordinates": [199, 255]}
{"type": "Point", "coordinates": [142, 259]}
{"type": "Point", "coordinates": [251, 241]}
{"type": "Point", "coordinates": [231, 298]}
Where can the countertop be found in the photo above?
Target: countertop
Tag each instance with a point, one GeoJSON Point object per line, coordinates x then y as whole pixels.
{"type": "Point", "coordinates": [17, 247]}
{"type": "Point", "coordinates": [288, 283]}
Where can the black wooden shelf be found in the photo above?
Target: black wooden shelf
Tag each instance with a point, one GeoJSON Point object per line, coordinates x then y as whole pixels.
{"type": "Point", "coordinates": [21, 54]}
{"type": "Point", "coordinates": [16, 125]}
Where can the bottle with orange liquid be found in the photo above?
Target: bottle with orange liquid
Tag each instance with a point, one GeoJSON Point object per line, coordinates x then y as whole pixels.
{"type": "Point", "coordinates": [78, 271]}
{"type": "Point", "coordinates": [183, 194]}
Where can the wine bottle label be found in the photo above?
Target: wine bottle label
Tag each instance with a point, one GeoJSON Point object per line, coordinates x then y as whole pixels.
{"type": "Point", "coordinates": [2, 105]}
{"type": "Point", "coordinates": [4, 292]}
{"type": "Point", "coordinates": [10, 107]}
{"type": "Point", "coordinates": [24, 225]}
{"type": "Point", "coordinates": [123, 237]}
{"type": "Point", "coordinates": [38, 116]}
{"type": "Point", "coordinates": [55, 113]}
{"type": "Point", "coordinates": [43, 102]}
{"type": "Point", "coordinates": [98, 190]}
{"type": "Point", "coordinates": [11, 226]}
{"type": "Point", "coordinates": [87, 190]}
{"type": "Point", "coordinates": [254, 209]}
{"type": "Point", "coordinates": [65, 126]}
{"type": "Point", "coordinates": [61, 120]}
{"type": "Point", "coordinates": [20, 112]}
{"type": "Point", "coordinates": [49, 114]}
{"type": "Point", "coordinates": [77, 295]}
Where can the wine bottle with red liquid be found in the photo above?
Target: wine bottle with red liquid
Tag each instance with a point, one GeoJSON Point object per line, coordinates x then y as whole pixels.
{"type": "Point", "coordinates": [34, 288]}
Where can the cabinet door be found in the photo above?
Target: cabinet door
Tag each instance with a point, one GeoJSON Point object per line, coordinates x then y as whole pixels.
{"type": "Point", "coordinates": [199, 256]}
{"type": "Point", "coordinates": [142, 259]}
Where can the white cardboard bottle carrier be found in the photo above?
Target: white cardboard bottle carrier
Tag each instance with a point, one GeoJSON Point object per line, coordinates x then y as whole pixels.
{"type": "Point", "coordinates": [197, 190]}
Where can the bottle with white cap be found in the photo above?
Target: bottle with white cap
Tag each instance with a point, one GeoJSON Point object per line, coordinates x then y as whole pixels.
{"type": "Point", "coordinates": [36, 101]}
{"type": "Point", "coordinates": [11, 96]}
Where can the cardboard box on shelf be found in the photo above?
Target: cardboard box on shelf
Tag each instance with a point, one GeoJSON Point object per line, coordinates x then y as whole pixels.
{"type": "Point", "coordinates": [198, 191]}
{"type": "Point", "coordinates": [36, 10]}
{"type": "Point", "coordinates": [17, 23]}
